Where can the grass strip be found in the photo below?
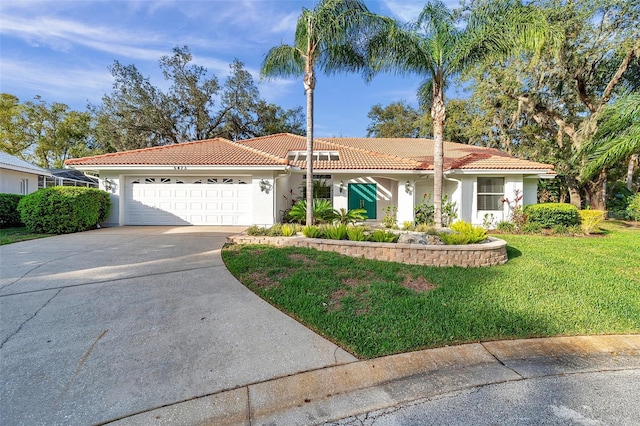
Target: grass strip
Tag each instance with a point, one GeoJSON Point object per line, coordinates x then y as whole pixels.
{"type": "Point", "coordinates": [551, 286]}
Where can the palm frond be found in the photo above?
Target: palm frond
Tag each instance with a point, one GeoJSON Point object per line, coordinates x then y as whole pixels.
{"type": "Point", "coordinates": [283, 61]}
{"type": "Point", "coordinates": [617, 137]}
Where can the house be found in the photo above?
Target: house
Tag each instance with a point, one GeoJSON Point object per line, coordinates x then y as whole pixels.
{"type": "Point", "coordinates": [219, 182]}
{"type": "Point", "coordinates": [18, 176]}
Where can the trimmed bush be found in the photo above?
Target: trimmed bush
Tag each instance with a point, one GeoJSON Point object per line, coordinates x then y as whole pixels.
{"type": "Point", "coordinates": [590, 220]}
{"type": "Point", "coordinates": [552, 214]}
{"type": "Point", "coordinates": [64, 209]}
{"type": "Point", "coordinates": [463, 233]}
{"type": "Point", "coordinates": [337, 232]}
{"type": "Point", "coordinates": [9, 215]}
{"type": "Point", "coordinates": [633, 209]}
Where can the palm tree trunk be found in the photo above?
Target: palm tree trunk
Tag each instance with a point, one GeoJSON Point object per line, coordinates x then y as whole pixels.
{"type": "Point", "coordinates": [438, 115]}
{"type": "Point", "coordinates": [309, 156]}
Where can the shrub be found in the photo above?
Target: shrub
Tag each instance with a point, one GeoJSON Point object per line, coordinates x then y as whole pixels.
{"type": "Point", "coordinates": [390, 217]}
{"type": "Point", "coordinates": [590, 220]}
{"type": "Point", "coordinates": [347, 217]}
{"type": "Point", "coordinates": [506, 226]}
{"type": "Point", "coordinates": [338, 232]}
{"type": "Point", "coordinates": [312, 231]}
{"type": "Point", "coordinates": [532, 228]}
{"type": "Point", "coordinates": [322, 211]}
{"type": "Point", "coordinates": [552, 214]}
{"type": "Point", "coordinates": [633, 209]}
{"type": "Point", "coordinates": [275, 230]}
{"type": "Point", "coordinates": [463, 233]}
{"type": "Point", "coordinates": [560, 229]}
{"type": "Point", "coordinates": [257, 231]}
{"type": "Point", "coordinates": [380, 236]}
{"type": "Point", "coordinates": [288, 230]}
{"type": "Point", "coordinates": [9, 215]}
{"type": "Point", "coordinates": [356, 233]}
{"type": "Point", "coordinates": [424, 211]}
{"type": "Point", "coordinates": [408, 225]}
{"type": "Point", "coordinates": [427, 229]}
{"type": "Point", "coordinates": [62, 210]}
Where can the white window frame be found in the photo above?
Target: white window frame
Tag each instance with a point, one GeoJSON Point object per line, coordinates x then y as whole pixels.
{"type": "Point", "coordinates": [489, 194]}
{"type": "Point", "coordinates": [24, 186]}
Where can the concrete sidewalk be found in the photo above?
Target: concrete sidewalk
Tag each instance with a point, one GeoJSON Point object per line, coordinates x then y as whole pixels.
{"type": "Point", "coordinates": [337, 392]}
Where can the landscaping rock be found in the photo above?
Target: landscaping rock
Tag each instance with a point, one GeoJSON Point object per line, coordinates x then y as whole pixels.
{"type": "Point", "coordinates": [423, 239]}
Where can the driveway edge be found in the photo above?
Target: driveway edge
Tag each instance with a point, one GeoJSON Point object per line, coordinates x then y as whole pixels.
{"type": "Point", "coordinates": [341, 391]}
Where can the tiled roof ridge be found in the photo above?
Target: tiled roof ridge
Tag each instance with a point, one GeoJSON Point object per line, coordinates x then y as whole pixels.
{"type": "Point", "coordinates": [259, 152]}
{"type": "Point", "coordinates": [470, 158]}
{"type": "Point", "coordinates": [151, 148]}
{"type": "Point", "coordinates": [416, 164]}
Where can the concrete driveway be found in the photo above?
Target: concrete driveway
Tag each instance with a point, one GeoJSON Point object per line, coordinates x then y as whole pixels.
{"type": "Point", "coordinates": [101, 325]}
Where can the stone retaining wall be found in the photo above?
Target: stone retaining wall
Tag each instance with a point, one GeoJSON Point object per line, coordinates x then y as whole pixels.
{"type": "Point", "coordinates": [493, 252]}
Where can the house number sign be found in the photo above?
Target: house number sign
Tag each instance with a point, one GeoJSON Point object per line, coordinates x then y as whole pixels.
{"type": "Point", "coordinates": [179, 167]}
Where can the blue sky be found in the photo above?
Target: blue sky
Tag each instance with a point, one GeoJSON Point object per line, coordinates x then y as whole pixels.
{"type": "Point", "coordinates": [61, 50]}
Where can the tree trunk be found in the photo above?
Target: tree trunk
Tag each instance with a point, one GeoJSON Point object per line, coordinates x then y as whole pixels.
{"type": "Point", "coordinates": [438, 115]}
{"type": "Point", "coordinates": [596, 192]}
{"type": "Point", "coordinates": [574, 192]}
{"type": "Point", "coordinates": [309, 82]}
{"type": "Point", "coordinates": [310, 157]}
{"type": "Point", "coordinates": [630, 170]}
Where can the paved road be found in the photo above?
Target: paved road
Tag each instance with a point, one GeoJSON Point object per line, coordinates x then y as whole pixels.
{"type": "Point", "coordinates": [600, 398]}
{"type": "Point", "coordinates": [104, 324]}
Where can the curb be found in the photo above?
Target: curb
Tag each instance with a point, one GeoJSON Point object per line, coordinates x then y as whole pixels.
{"type": "Point", "coordinates": [341, 391]}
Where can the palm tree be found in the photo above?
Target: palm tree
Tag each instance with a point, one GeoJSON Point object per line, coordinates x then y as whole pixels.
{"type": "Point", "coordinates": [435, 47]}
{"type": "Point", "coordinates": [331, 38]}
{"type": "Point", "coordinates": [617, 138]}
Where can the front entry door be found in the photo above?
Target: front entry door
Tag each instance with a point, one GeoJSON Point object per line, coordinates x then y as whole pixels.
{"type": "Point", "coordinates": [363, 196]}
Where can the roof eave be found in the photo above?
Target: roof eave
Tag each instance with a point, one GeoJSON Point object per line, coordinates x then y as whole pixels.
{"type": "Point", "coordinates": [181, 168]}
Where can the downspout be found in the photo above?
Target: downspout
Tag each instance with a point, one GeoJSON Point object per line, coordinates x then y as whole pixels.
{"type": "Point", "coordinates": [287, 172]}
{"type": "Point", "coordinates": [459, 202]}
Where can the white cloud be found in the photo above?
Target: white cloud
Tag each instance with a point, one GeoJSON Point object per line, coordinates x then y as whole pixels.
{"type": "Point", "coordinates": [71, 84]}
{"type": "Point", "coordinates": [409, 10]}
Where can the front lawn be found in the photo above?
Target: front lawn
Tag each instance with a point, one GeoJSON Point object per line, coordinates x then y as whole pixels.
{"type": "Point", "coordinates": [14, 235]}
{"type": "Point", "coordinates": [551, 286]}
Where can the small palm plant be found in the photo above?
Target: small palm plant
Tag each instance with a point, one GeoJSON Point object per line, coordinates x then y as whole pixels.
{"type": "Point", "coordinates": [347, 217]}
{"type": "Point", "coordinates": [322, 211]}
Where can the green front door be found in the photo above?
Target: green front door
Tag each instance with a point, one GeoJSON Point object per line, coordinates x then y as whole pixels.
{"type": "Point", "coordinates": [363, 196]}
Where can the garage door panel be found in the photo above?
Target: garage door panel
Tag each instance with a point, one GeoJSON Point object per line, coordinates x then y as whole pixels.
{"type": "Point", "coordinates": [154, 200]}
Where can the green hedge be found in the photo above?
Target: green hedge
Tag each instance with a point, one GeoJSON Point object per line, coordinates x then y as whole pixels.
{"type": "Point", "coordinates": [9, 215]}
{"type": "Point", "coordinates": [633, 210]}
{"type": "Point", "coordinates": [549, 215]}
{"type": "Point", "coordinates": [64, 209]}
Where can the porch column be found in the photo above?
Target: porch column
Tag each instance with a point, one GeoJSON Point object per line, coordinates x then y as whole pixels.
{"type": "Point", "coordinates": [405, 200]}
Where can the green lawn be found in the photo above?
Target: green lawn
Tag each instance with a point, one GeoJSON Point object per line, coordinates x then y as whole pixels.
{"type": "Point", "coordinates": [551, 286]}
{"type": "Point", "coordinates": [14, 235]}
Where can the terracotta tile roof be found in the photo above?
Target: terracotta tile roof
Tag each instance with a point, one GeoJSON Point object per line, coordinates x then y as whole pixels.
{"type": "Point", "coordinates": [354, 154]}
{"type": "Point", "coordinates": [351, 158]}
{"type": "Point", "coordinates": [219, 152]}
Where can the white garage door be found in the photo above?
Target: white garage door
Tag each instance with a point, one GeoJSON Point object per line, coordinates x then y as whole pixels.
{"type": "Point", "coordinates": [215, 200]}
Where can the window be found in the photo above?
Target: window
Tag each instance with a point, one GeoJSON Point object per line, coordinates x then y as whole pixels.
{"type": "Point", "coordinates": [490, 193]}
{"type": "Point", "coordinates": [24, 186]}
{"type": "Point", "coordinates": [317, 156]}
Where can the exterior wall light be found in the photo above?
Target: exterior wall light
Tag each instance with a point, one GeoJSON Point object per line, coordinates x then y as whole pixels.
{"type": "Point", "coordinates": [108, 186]}
{"type": "Point", "coordinates": [264, 185]}
{"type": "Point", "coordinates": [341, 186]}
{"type": "Point", "coordinates": [408, 187]}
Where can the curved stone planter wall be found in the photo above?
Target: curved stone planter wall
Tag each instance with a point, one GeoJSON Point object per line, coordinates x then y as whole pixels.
{"type": "Point", "coordinates": [493, 252]}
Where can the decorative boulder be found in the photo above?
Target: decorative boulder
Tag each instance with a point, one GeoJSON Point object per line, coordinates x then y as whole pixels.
{"type": "Point", "coordinates": [423, 239]}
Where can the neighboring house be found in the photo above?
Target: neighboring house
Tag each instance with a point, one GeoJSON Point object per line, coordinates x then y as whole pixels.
{"type": "Point", "coordinates": [69, 177]}
{"type": "Point", "coordinates": [18, 176]}
{"type": "Point", "coordinates": [219, 182]}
